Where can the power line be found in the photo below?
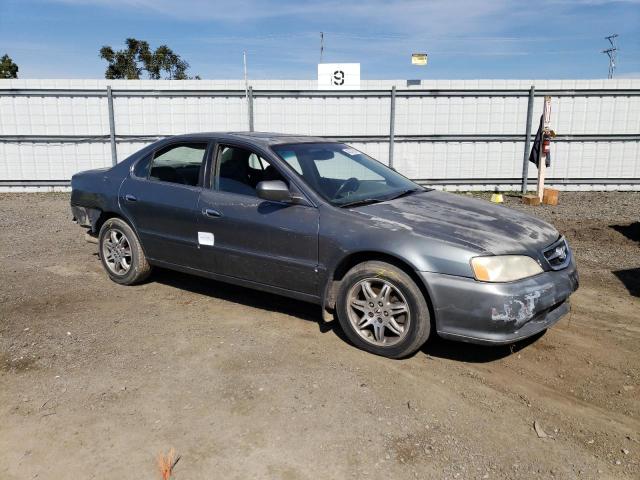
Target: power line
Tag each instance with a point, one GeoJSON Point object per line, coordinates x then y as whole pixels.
{"type": "Point", "coordinates": [612, 53]}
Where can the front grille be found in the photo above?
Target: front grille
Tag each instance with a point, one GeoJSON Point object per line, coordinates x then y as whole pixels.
{"type": "Point", "coordinates": [558, 254]}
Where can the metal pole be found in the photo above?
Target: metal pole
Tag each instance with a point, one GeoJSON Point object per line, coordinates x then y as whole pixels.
{"type": "Point", "coordinates": [112, 127]}
{"type": "Point", "coordinates": [527, 142]}
{"type": "Point", "coordinates": [244, 63]}
{"type": "Point", "coordinates": [392, 124]}
{"type": "Point", "coordinates": [250, 109]}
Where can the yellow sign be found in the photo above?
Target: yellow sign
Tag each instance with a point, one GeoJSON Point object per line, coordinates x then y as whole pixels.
{"type": "Point", "coordinates": [419, 58]}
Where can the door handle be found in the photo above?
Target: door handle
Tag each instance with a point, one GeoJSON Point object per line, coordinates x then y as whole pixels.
{"type": "Point", "coordinates": [210, 212]}
{"type": "Point", "coordinates": [130, 198]}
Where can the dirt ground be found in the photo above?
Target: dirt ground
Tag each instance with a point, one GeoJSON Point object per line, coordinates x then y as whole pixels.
{"type": "Point", "coordinates": [96, 379]}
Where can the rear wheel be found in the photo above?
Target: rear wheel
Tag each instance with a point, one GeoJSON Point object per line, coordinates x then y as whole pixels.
{"type": "Point", "coordinates": [382, 310]}
{"type": "Point", "coordinates": [121, 254]}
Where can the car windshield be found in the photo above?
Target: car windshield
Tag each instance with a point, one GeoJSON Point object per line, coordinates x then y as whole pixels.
{"type": "Point", "coordinates": [343, 175]}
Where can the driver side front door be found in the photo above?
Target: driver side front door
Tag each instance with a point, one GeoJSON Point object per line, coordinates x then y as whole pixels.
{"type": "Point", "coordinates": [260, 241]}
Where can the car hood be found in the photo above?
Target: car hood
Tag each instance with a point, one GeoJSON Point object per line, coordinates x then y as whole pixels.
{"type": "Point", "coordinates": [463, 221]}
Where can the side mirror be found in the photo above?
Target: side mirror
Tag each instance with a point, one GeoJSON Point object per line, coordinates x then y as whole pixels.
{"type": "Point", "coordinates": [274, 190]}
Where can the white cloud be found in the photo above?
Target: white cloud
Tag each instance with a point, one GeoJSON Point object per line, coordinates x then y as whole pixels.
{"type": "Point", "coordinates": [440, 15]}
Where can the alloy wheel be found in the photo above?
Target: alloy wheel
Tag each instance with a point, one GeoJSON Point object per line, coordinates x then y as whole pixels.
{"type": "Point", "coordinates": [378, 311]}
{"type": "Point", "coordinates": [116, 251]}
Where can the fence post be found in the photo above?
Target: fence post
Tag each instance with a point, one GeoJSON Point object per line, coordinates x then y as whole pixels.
{"type": "Point", "coordinates": [250, 108]}
{"type": "Point", "coordinates": [392, 125]}
{"type": "Point", "coordinates": [527, 143]}
{"type": "Point", "coordinates": [112, 127]}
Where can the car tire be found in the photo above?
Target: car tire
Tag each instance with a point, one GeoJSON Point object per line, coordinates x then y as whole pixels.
{"type": "Point", "coordinates": [121, 253]}
{"type": "Point", "coordinates": [366, 308]}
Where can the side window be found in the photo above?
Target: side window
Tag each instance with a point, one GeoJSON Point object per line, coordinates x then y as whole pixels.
{"type": "Point", "coordinates": [240, 170]}
{"type": "Point", "coordinates": [256, 162]}
{"type": "Point", "coordinates": [178, 163]}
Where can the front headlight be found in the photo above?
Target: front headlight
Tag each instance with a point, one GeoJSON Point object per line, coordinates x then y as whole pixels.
{"type": "Point", "coordinates": [504, 268]}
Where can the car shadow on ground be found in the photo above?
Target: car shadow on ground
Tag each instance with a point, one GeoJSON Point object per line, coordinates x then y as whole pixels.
{"type": "Point", "coordinates": [245, 296]}
{"type": "Point", "coordinates": [630, 278]}
{"type": "Point", "coordinates": [435, 347]}
{"type": "Point", "coordinates": [472, 353]}
{"type": "Point", "coordinates": [631, 231]}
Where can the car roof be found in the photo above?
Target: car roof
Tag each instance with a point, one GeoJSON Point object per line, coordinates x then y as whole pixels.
{"type": "Point", "coordinates": [261, 138]}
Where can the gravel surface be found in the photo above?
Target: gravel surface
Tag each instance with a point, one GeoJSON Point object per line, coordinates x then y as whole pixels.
{"type": "Point", "coordinates": [96, 379]}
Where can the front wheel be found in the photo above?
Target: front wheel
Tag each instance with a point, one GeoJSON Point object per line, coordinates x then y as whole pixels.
{"type": "Point", "coordinates": [382, 310]}
{"type": "Point", "coordinates": [121, 254]}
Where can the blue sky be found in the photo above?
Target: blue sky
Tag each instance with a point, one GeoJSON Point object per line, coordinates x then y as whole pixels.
{"type": "Point", "coordinates": [465, 39]}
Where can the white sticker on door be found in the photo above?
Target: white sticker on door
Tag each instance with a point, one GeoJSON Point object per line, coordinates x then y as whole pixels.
{"type": "Point", "coordinates": [205, 238]}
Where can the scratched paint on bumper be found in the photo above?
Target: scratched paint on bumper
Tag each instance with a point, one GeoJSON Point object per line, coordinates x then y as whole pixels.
{"type": "Point", "coordinates": [496, 313]}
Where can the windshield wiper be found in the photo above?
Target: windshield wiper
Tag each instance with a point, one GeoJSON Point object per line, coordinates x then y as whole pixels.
{"type": "Point", "coordinates": [364, 201]}
{"type": "Point", "coordinates": [404, 193]}
{"type": "Point", "coordinates": [367, 201]}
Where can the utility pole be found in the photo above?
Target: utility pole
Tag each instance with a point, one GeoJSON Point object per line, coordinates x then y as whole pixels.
{"type": "Point", "coordinates": [246, 82]}
{"type": "Point", "coordinates": [321, 45]}
{"type": "Point", "coordinates": [248, 92]}
{"type": "Point", "coordinates": [612, 53]}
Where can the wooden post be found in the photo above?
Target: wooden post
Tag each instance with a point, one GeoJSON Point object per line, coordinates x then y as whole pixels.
{"type": "Point", "coordinates": [542, 171]}
{"type": "Point", "coordinates": [542, 164]}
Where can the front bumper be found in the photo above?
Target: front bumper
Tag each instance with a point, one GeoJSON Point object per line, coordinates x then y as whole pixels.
{"type": "Point", "coordinates": [499, 313]}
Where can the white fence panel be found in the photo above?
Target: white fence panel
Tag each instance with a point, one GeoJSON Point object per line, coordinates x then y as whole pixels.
{"type": "Point", "coordinates": [47, 136]}
{"type": "Point", "coordinates": [323, 116]}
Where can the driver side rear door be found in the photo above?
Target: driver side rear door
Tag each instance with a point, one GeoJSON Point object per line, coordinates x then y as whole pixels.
{"type": "Point", "coordinates": [160, 198]}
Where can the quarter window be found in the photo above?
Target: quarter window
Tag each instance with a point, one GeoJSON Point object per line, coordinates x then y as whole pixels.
{"type": "Point", "coordinates": [178, 163]}
{"type": "Point", "coordinates": [141, 169]}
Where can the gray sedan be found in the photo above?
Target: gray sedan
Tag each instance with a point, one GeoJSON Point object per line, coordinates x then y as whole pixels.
{"type": "Point", "coordinates": [323, 222]}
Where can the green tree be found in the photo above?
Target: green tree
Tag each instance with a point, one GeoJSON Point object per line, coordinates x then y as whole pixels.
{"type": "Point", "coordinates": [124, 64]}
{"type": "Point", "coordinates": [8, 69]}
{"type": "Point", "coordinates": [162, 63]}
